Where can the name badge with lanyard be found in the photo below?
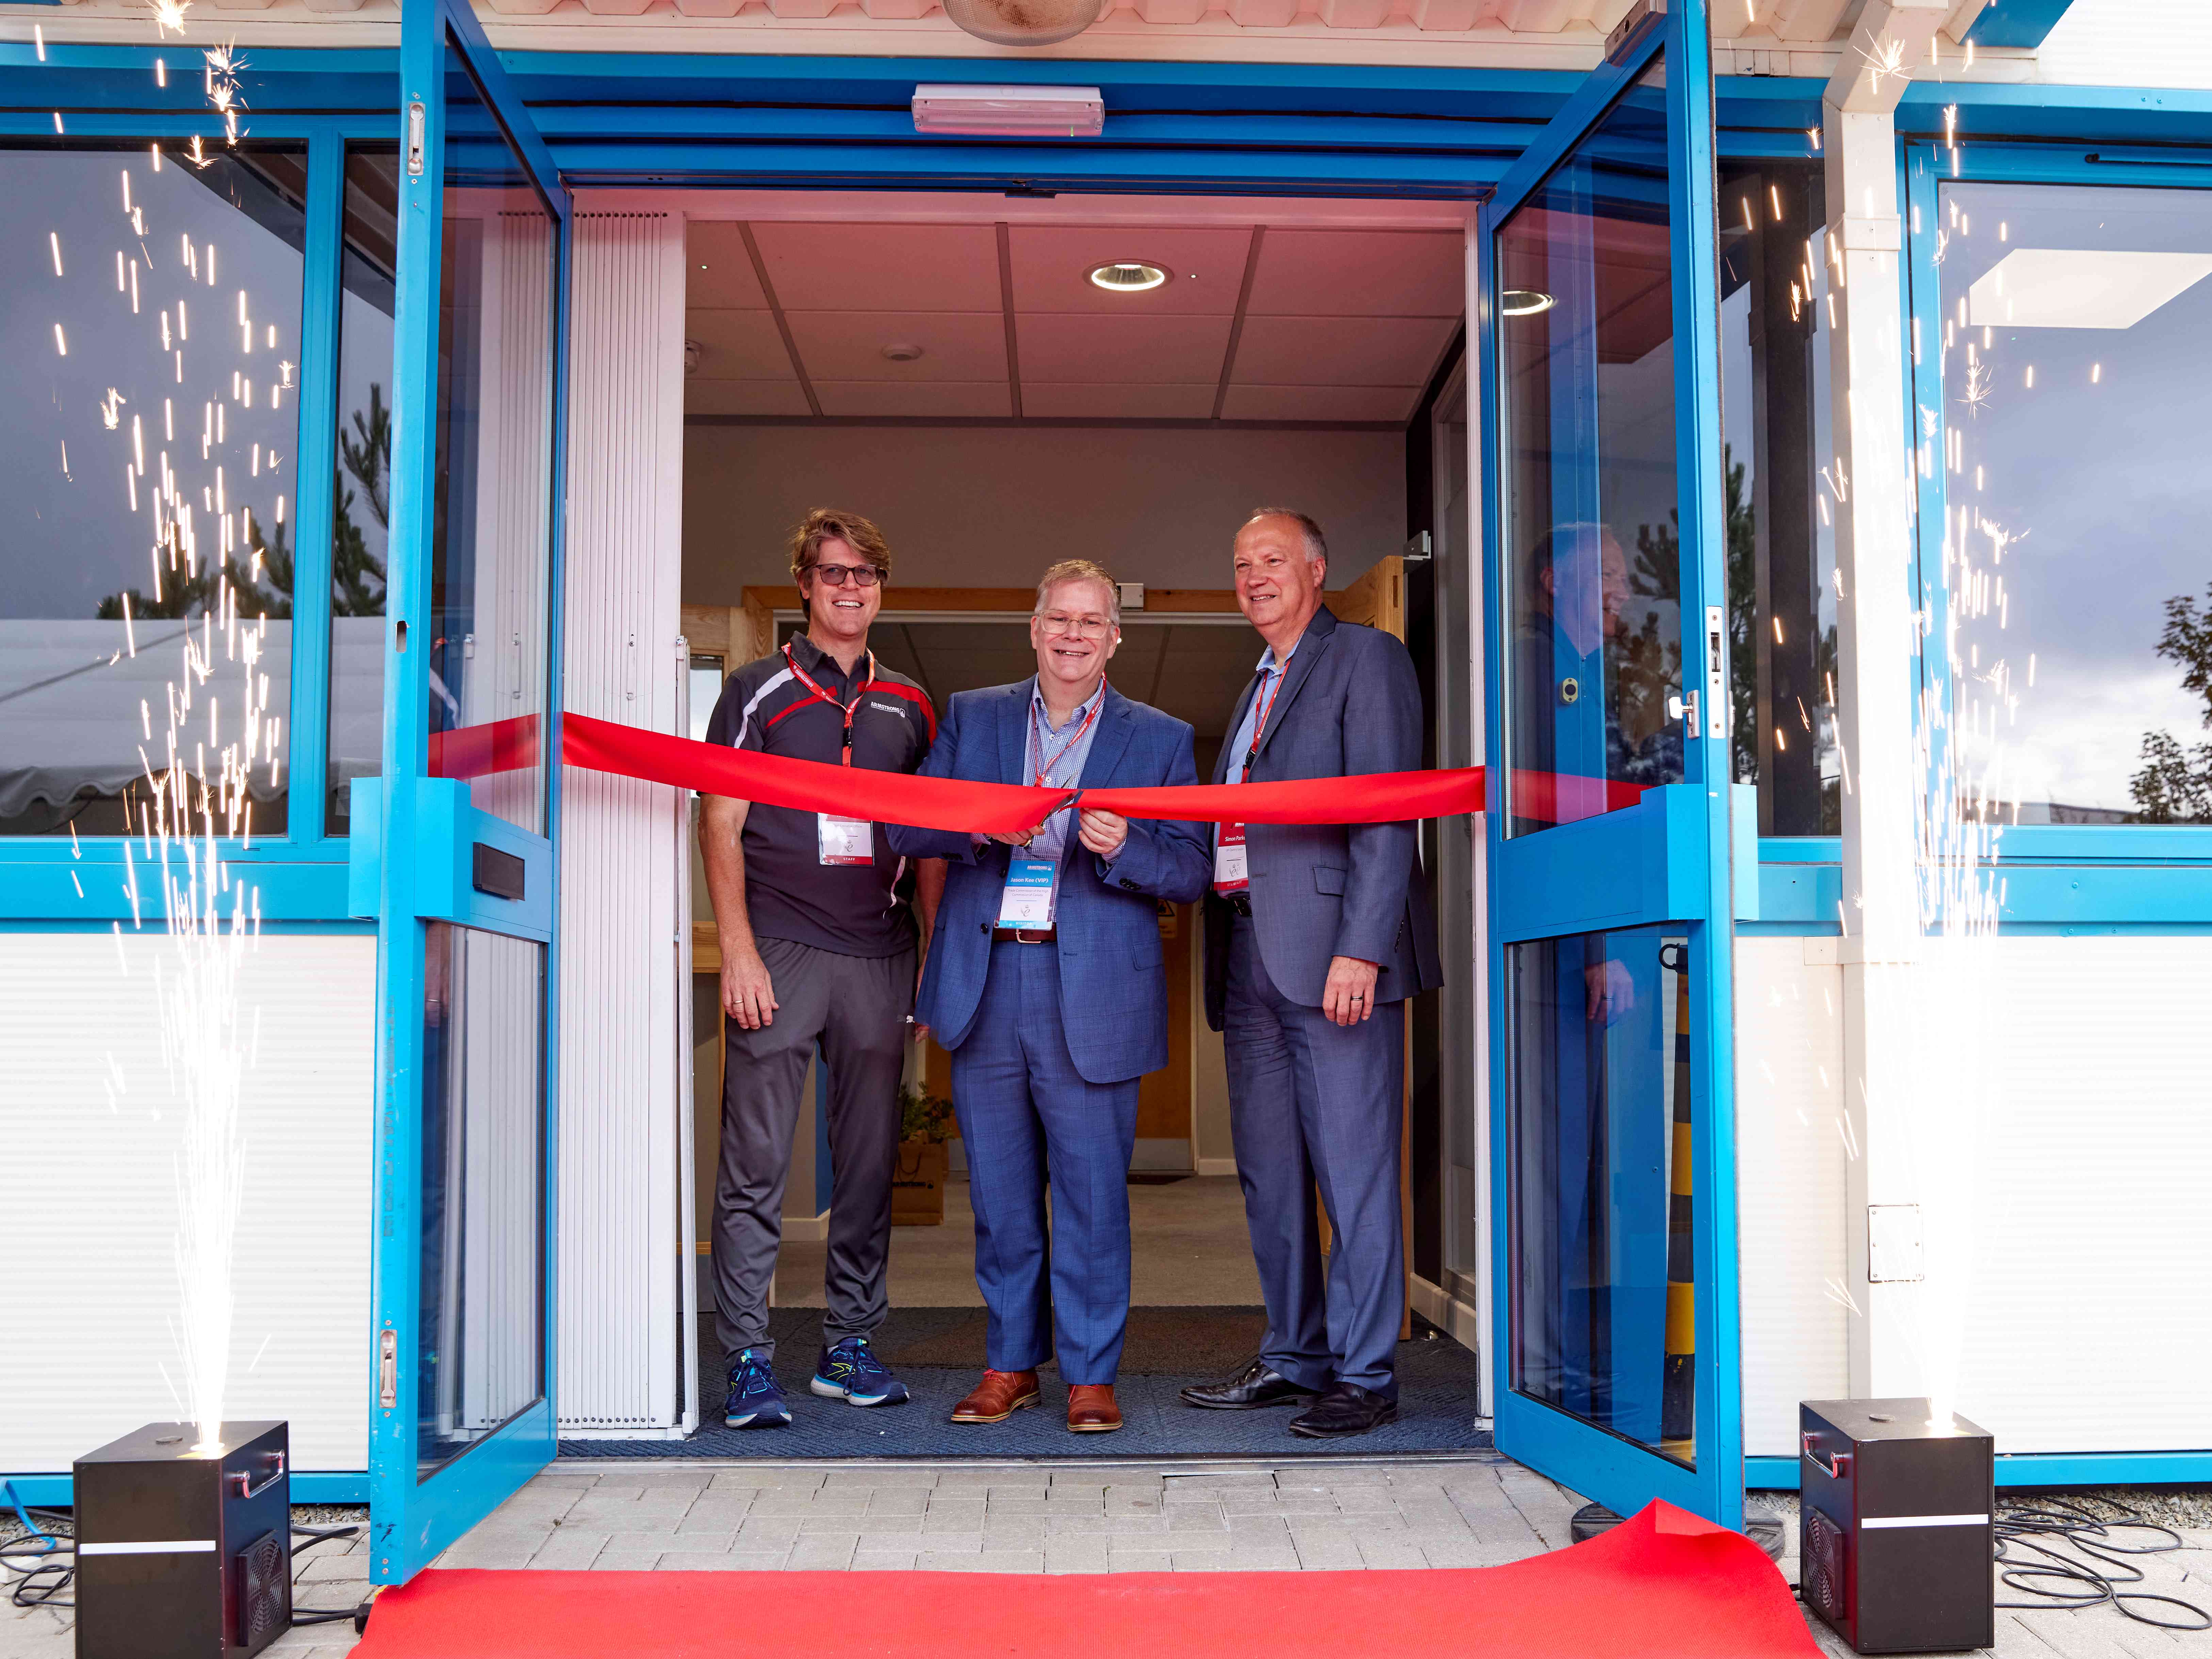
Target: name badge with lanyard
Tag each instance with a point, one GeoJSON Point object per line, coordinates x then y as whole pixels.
{"type": "Point", "coordinates": [840, 841]}
{"type": "Point", "coordinates": [1032, 887]}
{"type": "Point", "coordinates": [1230, 872]}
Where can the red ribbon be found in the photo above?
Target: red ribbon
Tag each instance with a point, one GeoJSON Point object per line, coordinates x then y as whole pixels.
{"type": "Point", "coordinates": [1003, 808]}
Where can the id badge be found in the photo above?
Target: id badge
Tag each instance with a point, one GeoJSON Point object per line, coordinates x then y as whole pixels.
{"type": "Point", "coordinates": [846, 841]}
{"type": "Point", "coordinates": [1027, 902]}
{"type": "Point", "coordinates": [1229, 870]}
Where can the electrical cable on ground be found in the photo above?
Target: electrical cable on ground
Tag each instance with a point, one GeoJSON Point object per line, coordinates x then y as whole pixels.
{"type": "Point", "coordinates": [2096, 1570]}
{"type": "Point", "coordinates": [44, 1562]}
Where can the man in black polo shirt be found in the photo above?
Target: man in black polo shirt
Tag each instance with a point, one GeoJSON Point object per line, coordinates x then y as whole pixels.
{"type": "Point", "coordinates": [819, 945]}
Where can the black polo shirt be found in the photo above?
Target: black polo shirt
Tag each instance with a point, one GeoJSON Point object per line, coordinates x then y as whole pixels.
{"type": "Point", "coordinates": [853, 909]}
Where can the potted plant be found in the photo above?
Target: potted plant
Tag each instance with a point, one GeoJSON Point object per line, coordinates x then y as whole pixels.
{"type": "Point", "coordinates": [917, 1182]}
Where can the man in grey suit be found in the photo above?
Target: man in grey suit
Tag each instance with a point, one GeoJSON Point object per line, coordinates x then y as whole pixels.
{"type": "Point", "coordinates": [1315, 935]}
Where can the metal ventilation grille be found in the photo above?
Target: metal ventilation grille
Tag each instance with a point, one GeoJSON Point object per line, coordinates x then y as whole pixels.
{"type": "Point", "coordinates": [1821, 1565]}
{"type": "Point", "coordinates": [264, 1592]}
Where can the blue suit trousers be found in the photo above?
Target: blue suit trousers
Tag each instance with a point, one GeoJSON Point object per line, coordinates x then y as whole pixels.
{"type": "Point", "coordinates": [1313, 1103]}
{"type": "Point", "coordinates": [1028, 1116]}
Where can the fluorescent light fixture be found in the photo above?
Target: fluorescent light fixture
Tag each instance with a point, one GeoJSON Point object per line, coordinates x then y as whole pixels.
{"type": "Point", "coordinates": [1015, 111]}
{"type": "Point", "coordinates": [2079, 288]}
{"type": "Point", "coordinates": [1128, 276]}
{"type": "Point", "coordinates": [1525, 302]}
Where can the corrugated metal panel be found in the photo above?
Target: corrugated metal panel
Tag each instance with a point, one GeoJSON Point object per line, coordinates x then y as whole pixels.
{"type": "Point", "coordinates": [88, 1187]}
{"type": "Point", "coordinates": [2129, 43]}
{"type": "Point", "coordinates": [623, 889]}
{"type": "Point", "coordinates": [2090, 1329]}
{"type": "Point", "coordinates": [1790, 1176]}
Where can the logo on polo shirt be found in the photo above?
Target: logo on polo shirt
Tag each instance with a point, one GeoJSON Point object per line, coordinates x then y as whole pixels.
{"type": "Point", "coordinates": [889, 708]}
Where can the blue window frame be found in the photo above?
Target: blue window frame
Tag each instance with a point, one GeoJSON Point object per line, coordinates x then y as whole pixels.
{"type": "Point", "coordinates": [298, 870]}
{"type": "Point", "coordinates": [2064, 876]}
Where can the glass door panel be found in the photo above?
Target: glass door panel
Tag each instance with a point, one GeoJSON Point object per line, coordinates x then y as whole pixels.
{"type": "Point", "coordinates": [1586, 419]}
{"type": "Point", "coordinates": [1606, 581]}
{"type": "Point", "coordinates": [466, 812]}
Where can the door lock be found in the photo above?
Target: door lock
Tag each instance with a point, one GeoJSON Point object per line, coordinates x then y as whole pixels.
{"type": "Point", "coordinates": [1683, 706]}
{"type": "Point", "coordinates": [417, 121]}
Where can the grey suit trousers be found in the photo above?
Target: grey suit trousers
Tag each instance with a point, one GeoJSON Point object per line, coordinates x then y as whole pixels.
{"type": "Point", "coordinates": [855, 1007]}
{"type": "Point", "coordinates": [1313, 1102]}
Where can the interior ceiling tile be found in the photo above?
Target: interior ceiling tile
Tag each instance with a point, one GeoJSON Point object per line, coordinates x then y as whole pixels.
{"type": "Point", "coordinates": [1052, 266]}
{"type": "Point", "coordinates": [933, 400]}
{"type": "Point", "coordinates": [1325, 403]}
{"type": "Point", "coordinates": [849, 345]}
{"type": "Point", "coordinates": [1101, 350]}
{"type": "Point", "coordinates": [1131, 402]}
{"type": "Point", "coordinates": [745, 398]}
{"type": "Point", "coordinates": [1360, 273]}
{"type": "Point", "coordinates": [738, 345]}
{"type": "Point", "coordinates": [718, 271]}
{"type": "Point", "coordinates": [830, 267]}
{"type": "Point", "coordinates": [1339, 350]}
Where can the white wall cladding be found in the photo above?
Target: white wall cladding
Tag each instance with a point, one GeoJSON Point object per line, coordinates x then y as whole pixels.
{"type": "Point", "coordinates": [2091, 1328]}
{"type": "Point", "coordinates": [1790, 1162]}
{"type": "Point", "coordinates": [623, 893]}
{"type": "Point", "coordinates": [88, 1339]}
{"type": "Point", "coordinates": [2129, 43]}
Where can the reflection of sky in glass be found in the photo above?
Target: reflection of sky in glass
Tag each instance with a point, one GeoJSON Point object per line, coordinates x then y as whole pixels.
{"type": "Point", "coordinates": [2097, 467]}
{"type": "Point", "coordinates": [72, 537]}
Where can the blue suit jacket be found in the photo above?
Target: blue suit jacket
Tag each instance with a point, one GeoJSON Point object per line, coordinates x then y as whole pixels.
{"type": "Point", "coordinates": [1350, 703]}
{"type": "Point", "coordinates": [1113, 989]}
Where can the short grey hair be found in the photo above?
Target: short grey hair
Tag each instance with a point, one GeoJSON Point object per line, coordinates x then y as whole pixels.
{"type": "Point", "coordinates": [1079, 570]}
{"type": "Point", "coordinates": [1317, 544]}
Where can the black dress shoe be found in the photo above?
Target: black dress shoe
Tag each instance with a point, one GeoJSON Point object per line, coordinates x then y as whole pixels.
{"type": "Point", "coordinates": [1346, 1408]}
{"type": "Point", "coordinates": [1256, 1386]}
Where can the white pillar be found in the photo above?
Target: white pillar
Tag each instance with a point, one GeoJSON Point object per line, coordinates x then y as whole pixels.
{"type": "Point", "coordinates": [1876, 629]}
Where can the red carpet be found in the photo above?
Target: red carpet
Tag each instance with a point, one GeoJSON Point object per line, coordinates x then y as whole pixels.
{"type": "Point", "coordinates": [1663, 1585]}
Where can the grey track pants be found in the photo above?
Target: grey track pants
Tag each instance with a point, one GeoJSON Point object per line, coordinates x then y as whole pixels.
{"type": "Point", "coordinates": [856, 1007]}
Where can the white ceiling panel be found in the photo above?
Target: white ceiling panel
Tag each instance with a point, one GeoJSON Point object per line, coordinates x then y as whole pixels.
{"type": "Point", "coordinates": [1117, 403]}
{"type": "Point", "coordinates": [850, 345]}
{"type": "Point", "coordinates": [935, 400]}
{"type": "Point", "coordinates": [738, 345]}
{"type": "Point", "coordinates": [720, 272]}
{"type": "Point", "coordinates": [1341, 350]}
{"type": "Point", "coordinates": [1360, 273]}
{"type": "Point", "coordinates": [745, 398]}
{"type": "Point", "coordinates": [1320, 403]}
{"type": "Point", "coordinates": [1052, 266]}
{"type": "Point", "coordinates": [1095, 350]}
{"type": "Point", "coordinates": [881, 267]}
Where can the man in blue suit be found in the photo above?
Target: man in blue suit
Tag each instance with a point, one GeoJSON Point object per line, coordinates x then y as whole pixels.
{"type": "Point", "coordinates": [1316, 934]}
{"type": "Point", "coordinates": [1046, 983]}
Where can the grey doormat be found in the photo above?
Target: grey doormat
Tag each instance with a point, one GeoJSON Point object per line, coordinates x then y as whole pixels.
{"type": "Point", "coordinates": [939, 1353]}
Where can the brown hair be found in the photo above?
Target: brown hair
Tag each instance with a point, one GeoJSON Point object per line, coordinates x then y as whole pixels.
{"type": "Point", "coordinates": [826, 524]}
{"type": "Point", "coordinates": [1079, 570]}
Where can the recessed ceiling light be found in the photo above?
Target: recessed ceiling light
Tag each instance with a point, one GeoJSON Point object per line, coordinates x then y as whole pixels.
{"type": "Point", "coordinates": [1525, 302]}
{"type": "Point", "coordinates": [1128, 276]}
{"type": "Point", "coordinates": [899, 351]}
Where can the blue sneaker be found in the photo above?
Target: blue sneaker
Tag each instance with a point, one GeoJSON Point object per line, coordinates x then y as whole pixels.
{"type": "Point", "coordinates": [755, 1401]}
{"type": "Point", "coordinates": [851, 1372]}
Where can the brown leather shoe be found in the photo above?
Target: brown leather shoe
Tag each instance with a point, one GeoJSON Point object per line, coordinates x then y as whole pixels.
{"type": "Point", "coordinates": [997, 1397]}
{"type": "Point", "coordinates": [1090, 1408]}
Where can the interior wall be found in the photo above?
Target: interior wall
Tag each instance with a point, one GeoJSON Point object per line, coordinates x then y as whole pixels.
{"type": "Point", "coordinates": [990, 507]}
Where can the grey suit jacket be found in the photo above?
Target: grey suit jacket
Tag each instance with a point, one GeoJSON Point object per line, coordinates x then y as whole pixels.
{"type": "Point", "coordinates": [1350, 704]}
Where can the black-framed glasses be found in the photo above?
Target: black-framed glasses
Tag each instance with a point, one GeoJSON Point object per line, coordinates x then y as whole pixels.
{"type": "Point", "coordinates": [863, 575]}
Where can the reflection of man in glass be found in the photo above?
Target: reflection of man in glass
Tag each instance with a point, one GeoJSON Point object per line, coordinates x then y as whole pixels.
{"type": "Point", "coordinates": [1571, 663]}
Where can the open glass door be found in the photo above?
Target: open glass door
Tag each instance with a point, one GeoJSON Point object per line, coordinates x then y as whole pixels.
{"type": "Point", "coordinates": [460, 870]}
{"type": "Point", "coordinates": [1611, 1157]}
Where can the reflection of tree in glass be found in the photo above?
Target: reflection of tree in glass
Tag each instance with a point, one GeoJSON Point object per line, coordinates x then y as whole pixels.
{"type": "Point", "coordinates": [263, 588]}
{"type": "Point", "coordinates": [1651, 672]}
{"type": "Point", "coordinates": [356, 574]}
{"type": "Point", "coordinates": [2175, 786]}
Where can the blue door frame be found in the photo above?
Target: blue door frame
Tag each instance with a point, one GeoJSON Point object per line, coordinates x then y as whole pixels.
{"type": "Point", "coordinates": [1664, 861]}
{"type": "Point", "coordinates": [414, 869]}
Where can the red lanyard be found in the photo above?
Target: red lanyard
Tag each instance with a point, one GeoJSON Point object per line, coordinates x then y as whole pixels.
{"type": "Point", "coordinates": [821, 695]}
{"type": "Point", "coordinates": [1044, 767]}
{"type": "Point", "coordinates": [1260, 725]}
